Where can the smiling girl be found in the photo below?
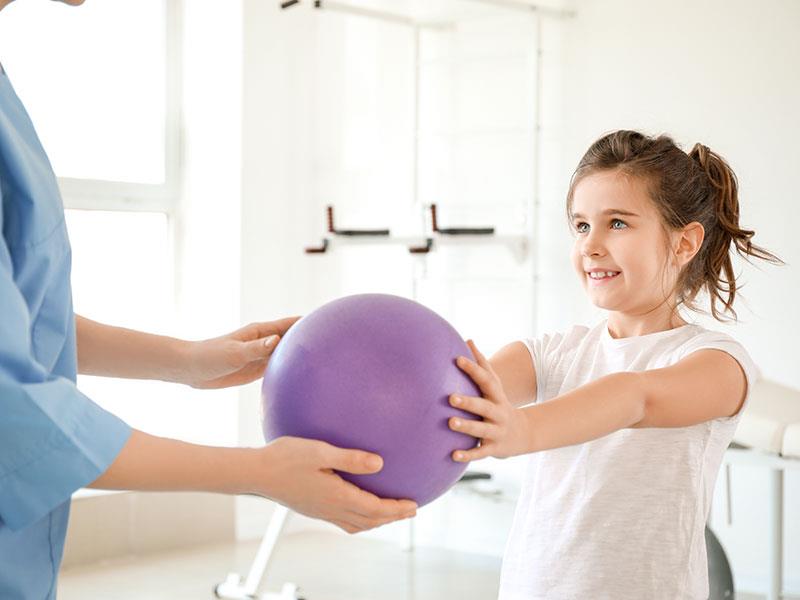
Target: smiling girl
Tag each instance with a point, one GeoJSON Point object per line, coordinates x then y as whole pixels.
{"type": "Point", "coordinates": [625, 422]}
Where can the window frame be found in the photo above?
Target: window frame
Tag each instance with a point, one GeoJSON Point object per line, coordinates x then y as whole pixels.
{"type": "Point", "coordinates": [99, 194]}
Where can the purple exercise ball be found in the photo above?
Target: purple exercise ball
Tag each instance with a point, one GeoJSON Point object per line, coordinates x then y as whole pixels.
{"type": "Point", "coordinates": [374, 372]}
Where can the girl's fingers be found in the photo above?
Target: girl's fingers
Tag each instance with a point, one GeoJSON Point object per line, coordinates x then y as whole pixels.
{"type": "Point", "coordinates": [478, 429]}
{"type": "Point", "coordinates": [470, 455]}
{"type": "Point", "coordinates": [479, 357]}
{"type": "Point", "coordinates": [477, 406]}
{"type": "Point", "coordinates": [484, 379]}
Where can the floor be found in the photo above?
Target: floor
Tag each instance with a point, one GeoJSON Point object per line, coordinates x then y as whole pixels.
{"type": "Point", "coordinates": [326, 567]}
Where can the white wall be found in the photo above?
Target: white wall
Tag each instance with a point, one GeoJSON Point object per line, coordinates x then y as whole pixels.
{"type": "Point", "coordinates": [329, 119]}
{"type": "Point", "coordinates": [271, 230]}
{"type": "Point", "coordinates": [724, 73]}
{"type": "Point", "coordinates": [206, 227]}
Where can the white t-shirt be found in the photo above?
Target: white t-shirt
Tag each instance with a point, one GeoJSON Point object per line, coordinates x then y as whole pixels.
{"type": "Point", "coordinates": [621, 517]}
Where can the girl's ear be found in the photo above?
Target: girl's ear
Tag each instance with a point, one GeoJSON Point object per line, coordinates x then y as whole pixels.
{"type": "Point", "coordinates": [688, 242]}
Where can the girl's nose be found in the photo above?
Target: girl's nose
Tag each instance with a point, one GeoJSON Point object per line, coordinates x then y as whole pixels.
{"type": "Point", "coordinates": [592, 246]}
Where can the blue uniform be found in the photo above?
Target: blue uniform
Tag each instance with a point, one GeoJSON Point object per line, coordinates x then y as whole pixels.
{"type": "Point", "coordinates": [53, 439]}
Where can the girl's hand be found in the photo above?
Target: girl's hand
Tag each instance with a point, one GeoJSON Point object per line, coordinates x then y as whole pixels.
{"type": "Point", "coordinates": [234, 359]}
{"type": "Point", "coordinates": [502, 431]}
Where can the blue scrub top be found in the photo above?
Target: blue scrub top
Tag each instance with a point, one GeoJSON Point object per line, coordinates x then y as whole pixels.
{"type": "Point", "coordinates": [53, 439]}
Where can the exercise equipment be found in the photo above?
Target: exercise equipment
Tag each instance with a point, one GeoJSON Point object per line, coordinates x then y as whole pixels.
{"type": "Point", "coordinates": [720, 577]}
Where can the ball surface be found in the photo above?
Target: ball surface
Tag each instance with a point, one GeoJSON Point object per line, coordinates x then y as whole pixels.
{"type": "Point", "coordinates": [374, 372]}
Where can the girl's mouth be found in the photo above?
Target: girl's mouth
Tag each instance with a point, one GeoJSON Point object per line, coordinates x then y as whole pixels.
{"type": "Point", "coordinates": [601, 277]}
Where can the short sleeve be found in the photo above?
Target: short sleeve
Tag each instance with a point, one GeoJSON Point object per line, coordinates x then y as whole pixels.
{"type": "Point", "coordinates": [545, 352]}
{"type": "Point", "coordinates": [53, 439]}
{"type": "Point", "coordinates": [716, 340]}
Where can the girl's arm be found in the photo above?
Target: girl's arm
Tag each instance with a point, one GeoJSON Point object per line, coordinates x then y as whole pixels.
{"type": "Point", "coordinates": [706, 385]}
{"type": "Point", "coordinates": [233, 359]}
{"type": "Point", "coordinates": [514, 367]}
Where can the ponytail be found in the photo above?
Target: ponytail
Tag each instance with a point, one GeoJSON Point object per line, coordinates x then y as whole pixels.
{"type": "Point", "coordinates": [719, 278]}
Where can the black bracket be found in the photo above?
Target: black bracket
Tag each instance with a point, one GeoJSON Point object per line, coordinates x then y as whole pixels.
{"type": "Point", "coordinates": [446, 231]}
{"type": "Point", "coordinates": [289, 3]}
{"type": "Point", "coordinates": [422, 249]}
{"type": "Point", "coordinates": [318, 249]}
{"type": "Point", "coordinates": [456, 230]}
{"type": "Point", "coordinates": [344, 232]}
{"type": "Point", "coordinates": [352, 232]}
{"type": "Point", "coordinates": [474, 475]}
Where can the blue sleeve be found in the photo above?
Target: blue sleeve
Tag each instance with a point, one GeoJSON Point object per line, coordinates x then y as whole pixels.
{"type": "Point", "coordinates": [53, 439]}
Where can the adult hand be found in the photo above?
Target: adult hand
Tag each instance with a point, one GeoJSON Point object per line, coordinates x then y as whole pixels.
{"type": "Point", "coordinates": [295, 472]}
{"type": "Point", "coordinates": [300, 474]}
{"type": "Point", "coordinates": [236, 358]}
{"type": "Point", "coordinates": [501, 430]}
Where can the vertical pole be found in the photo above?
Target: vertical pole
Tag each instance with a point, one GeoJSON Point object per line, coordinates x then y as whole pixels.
{"type": "Point", "coordinates": [265, 550]}
{"type": "Point", "coordinates": [418, 269]}
{"type": "Point", "coordinates": [775, 550]}
{"type": "Point", "coordinates": [173, 142]}
{"type": "Point", "coordinates": [533, 203]}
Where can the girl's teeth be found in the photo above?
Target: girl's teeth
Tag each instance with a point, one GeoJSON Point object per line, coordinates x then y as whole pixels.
{"type": "Point", "coordinates": [601, 275]}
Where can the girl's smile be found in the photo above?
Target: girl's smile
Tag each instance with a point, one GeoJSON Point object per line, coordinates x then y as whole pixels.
{"type": "Point", "coordinates": [601, 276]}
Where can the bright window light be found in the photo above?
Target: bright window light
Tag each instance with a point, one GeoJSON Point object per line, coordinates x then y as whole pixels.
{"type": "Point", "coordinates": [93, 80]}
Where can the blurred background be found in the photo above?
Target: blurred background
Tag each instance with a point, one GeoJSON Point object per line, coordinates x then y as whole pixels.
{"type": "Point", "coordinates": [198, 145]}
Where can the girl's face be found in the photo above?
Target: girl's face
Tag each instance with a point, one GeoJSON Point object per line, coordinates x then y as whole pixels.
{"type": "Point", "coordinates": [620, 251]}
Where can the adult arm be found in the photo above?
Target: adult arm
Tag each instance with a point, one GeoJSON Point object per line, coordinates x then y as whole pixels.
{"type": "Point", "coordinates": [233, 359]}
{"type": "Point", "coordinates": [295, 472]}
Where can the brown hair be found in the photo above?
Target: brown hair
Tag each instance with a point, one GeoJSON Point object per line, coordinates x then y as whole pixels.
{"type": "Point", "coordinates": [699, 186]}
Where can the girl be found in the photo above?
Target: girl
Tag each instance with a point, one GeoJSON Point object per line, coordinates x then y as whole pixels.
{"type": "Point", "coordinates": [626, 422]}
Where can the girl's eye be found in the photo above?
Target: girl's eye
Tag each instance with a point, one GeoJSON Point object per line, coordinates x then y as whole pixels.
{"type": "Point", "coordinates": [583, 227]}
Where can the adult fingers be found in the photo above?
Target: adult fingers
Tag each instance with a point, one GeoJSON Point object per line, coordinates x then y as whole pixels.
{"type": "Point", "coordinates": [369, 506]}
{"type": "Point", "coordinates": [266, 328]}
{"type": "Point", "coordinates": [365, 523]}
{"type": "Point", "coordinates": [357, 462]}
{"type": "Point", "coordinates": [346, 525]}
{"type": "Point", "coordinates": [259, 349]}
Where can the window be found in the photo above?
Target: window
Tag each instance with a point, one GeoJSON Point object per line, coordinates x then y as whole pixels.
{"type": "Point", "coordinates": [100, 84]}
{"type": "Point", "coordinates": [94, 82]}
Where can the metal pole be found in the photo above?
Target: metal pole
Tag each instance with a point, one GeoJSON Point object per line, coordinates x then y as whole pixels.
{"type": "Point", "coordinates": [418, 268]}
{"type": "Point", "coordinates": [533, 208]}
{"type": "Point", "coordinates": [265, 550]}
{"type": "Point", "coordinates": [775, 550]}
